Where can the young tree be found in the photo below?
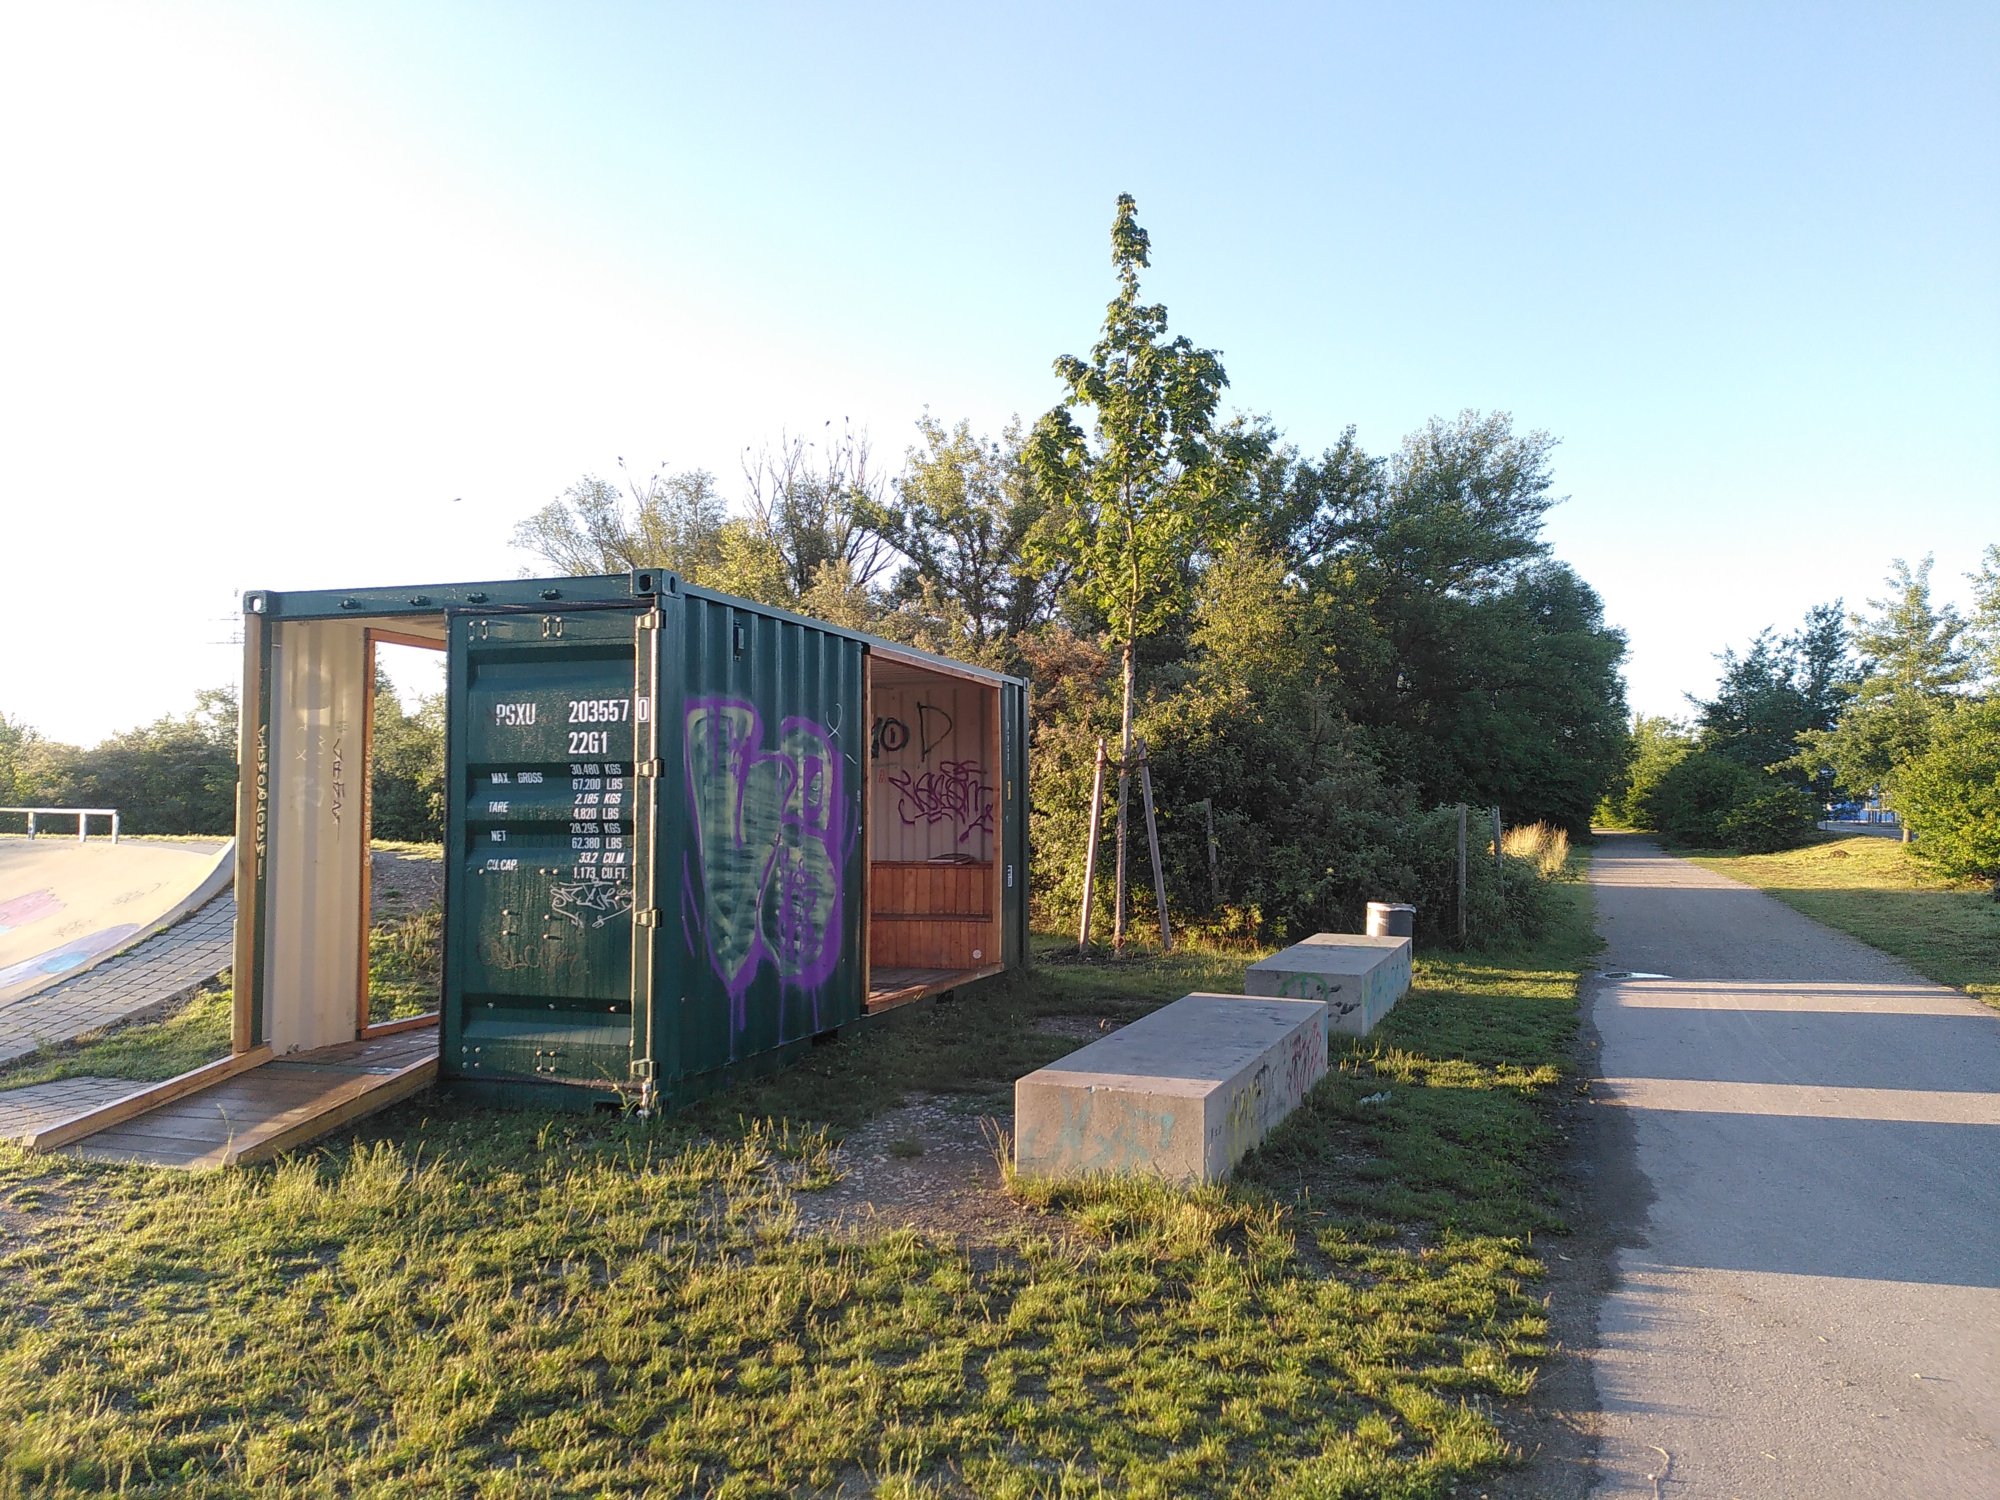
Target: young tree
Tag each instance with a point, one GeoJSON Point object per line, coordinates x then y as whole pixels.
{"type": "Point", "coordinates": [1146, 490]}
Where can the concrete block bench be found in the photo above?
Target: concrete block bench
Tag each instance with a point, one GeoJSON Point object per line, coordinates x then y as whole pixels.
{"type": "Point", "coordinates": [1358, 978]}
{"type": "Point", "coordinates": [1181, 1094]}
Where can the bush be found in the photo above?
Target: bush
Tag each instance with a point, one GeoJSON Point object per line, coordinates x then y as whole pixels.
{"type": "Point", "coordinates": [1708, 800]}
{"type": "Point", "coordinates": [1950, 795]}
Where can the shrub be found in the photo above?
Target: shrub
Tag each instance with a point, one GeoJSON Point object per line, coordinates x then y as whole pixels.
{"type": "Point", "coordinates": [1706, 799]}
{"type": "Point", "coordinates": [1950, 796]}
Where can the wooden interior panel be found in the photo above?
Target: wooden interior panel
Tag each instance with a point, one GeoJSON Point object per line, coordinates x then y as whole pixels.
{"type": "Point", "coordinates": [933, 806]}
{"type": "Point", "coordinates": [925, 915]}
{"type": "Point", "coordinates": [932, 777]}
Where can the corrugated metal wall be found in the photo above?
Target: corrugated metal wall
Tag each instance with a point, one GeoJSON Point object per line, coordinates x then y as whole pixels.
{"type": "Point", "coordinates": [1013, 858]}
{"type": "Point", "coordinates": [764, 752]}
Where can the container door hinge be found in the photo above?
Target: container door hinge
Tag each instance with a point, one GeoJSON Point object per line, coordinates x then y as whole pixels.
{"type": "Point", "coordinates": [650, 620]}
{"type": "Point", "coordinates": [645, 768]}
{"type": "Point", "coordinates": [646, 916]}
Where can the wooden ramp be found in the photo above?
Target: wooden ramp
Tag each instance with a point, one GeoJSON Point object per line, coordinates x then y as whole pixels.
{"type": "Point", "coordinates": [251, 1108]}
{"type": "Point", "coordinates": [888, 988]}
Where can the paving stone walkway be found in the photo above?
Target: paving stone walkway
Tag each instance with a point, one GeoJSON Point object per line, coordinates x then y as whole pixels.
{"type": "Point", "coordinates": [143, 979]}
{"type": "Point", "coordinates": [24, 1111]}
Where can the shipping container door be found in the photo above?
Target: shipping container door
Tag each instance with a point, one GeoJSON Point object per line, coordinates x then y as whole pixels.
{"type": "Point", "coordinates": [1013, 851]}
{"type": "Point", "coordinates": [764, 750]}
{"type": "Point", "coordinates": [542, 858]}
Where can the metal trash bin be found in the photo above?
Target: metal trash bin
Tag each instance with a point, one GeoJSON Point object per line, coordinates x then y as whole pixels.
{"type": "Point", "coordinates": [1387, 919]}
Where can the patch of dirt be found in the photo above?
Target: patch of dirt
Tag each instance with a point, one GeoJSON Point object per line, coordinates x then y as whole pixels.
{"type": "Point", "coordinates": [933, 1165]}
{"type": "Point", "coordinates": [1081, 1028]}
{"type": "Point", "coordinates": [402, 883]}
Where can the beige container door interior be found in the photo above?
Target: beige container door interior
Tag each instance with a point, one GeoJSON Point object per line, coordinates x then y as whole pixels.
{"type": "Point", "coordinates": [318, 836]}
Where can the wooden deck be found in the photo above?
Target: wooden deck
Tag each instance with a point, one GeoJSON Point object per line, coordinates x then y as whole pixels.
{"type": "Point", "coordinates": [889, 988]}
{"type": "Point", "coordinates": [255, 1113]}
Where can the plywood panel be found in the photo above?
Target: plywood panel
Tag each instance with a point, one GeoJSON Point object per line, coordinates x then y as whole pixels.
{"type": "Point", "coordinates": [932, 779]}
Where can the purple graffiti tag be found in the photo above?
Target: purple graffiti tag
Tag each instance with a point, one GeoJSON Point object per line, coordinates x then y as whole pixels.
{"type": "Point", "coordinates": [771, 846]}
{"type": "Point", "coordinates": [953, 793]}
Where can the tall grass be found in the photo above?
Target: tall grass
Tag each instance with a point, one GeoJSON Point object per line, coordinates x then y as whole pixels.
{"type": "Point", "coordinates": [1545, 845]}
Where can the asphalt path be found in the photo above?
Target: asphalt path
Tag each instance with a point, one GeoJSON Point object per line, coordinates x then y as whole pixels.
{"type": "Point", "coordinates": [1806, 1293]}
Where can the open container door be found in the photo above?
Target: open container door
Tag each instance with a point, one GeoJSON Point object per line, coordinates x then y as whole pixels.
{"type": "Point", "coordinates": [543, 845]}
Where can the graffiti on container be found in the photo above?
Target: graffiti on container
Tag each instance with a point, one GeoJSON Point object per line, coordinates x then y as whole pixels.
{"type": "Point", "coordinates": [891, 734]}
{"type": "Point", "coordinates": [764, 881]}
{"type": "Point", "coordinates": [590, 903]}
{"type": "Point", "coordinates": [933, 728]}
{"type": "Point", "coordinates": [955, 793]}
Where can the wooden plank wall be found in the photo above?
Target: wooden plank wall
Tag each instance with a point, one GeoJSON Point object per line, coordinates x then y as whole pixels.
{"type": "Point", "coordinates": [933, 785]}
{"type": "Point", "coordinates": [932, 809]}
{"type": "Point", "coordinates": [931, 916]}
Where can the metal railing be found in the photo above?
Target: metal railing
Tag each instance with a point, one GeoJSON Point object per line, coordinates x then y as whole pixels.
{"type": "Point", "coordinates": [83, 815]}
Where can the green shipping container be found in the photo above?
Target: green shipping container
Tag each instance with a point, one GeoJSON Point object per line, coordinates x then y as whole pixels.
{"type": "Point", "coordinates": [686, 834]}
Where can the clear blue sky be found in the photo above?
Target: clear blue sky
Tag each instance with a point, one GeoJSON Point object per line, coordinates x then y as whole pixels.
{"type": "Point", "coordinates": [319, 295]}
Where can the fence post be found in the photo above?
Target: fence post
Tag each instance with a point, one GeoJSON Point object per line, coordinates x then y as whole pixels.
{"type": "Point", "coordinates": [1461, 872]}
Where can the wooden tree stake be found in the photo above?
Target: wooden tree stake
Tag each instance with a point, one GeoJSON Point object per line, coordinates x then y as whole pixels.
{"type": "Point", "coordinates": [1153, 840]}
{"type": "Point", "coordinates": [1214, 872]}
{"type": "Point", "coordinates": [1090, 851]}
{"type": "Point", "coordinates": [1118, 904]}
{"type": "Point", "coordinates": [1461, 872]}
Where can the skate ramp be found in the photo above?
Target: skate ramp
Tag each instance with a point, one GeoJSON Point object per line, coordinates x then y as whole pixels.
{"type": "Point", "coordinates": [67, 906]}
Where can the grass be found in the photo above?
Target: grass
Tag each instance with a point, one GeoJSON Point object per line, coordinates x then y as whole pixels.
{"type": "Point", "coordinates": [1873, 889]}
{"type": "Point", "coordinates": [405, 957]}
{"type": "Point", "coordinates": [454, 1301]}
{"type": "Point", "coordinates": [191, 1035]}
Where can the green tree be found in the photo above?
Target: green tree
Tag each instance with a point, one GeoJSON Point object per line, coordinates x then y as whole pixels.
{"type": "Point", "coordinates": [15, 740]}
{"type": "Point", "coordinates": [1983, 630]}
{"type": "Point", "coordinates": [820, 504]}
{"type": "Point", "coordinates": [1915, 663]}
{"type": "Point", "coordinates": [1656, 745]}
{"type": "Point", "coordinates": [1950, 794]}
{"type": "Point", "coordinates": [1713, 801]}
{"type": "Point", "coordinates": [175, 775]}
{"type": "Point", "coordinates": [406, 781]}
{"type": "Point", "coordinates": [670, 521]}
{"type": "Point", "coordinates": [1541, 733]}
{"type": "Point", "coordinates": [962, 515]}
{"type": "Point", "coordinates": [1147, 490]}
